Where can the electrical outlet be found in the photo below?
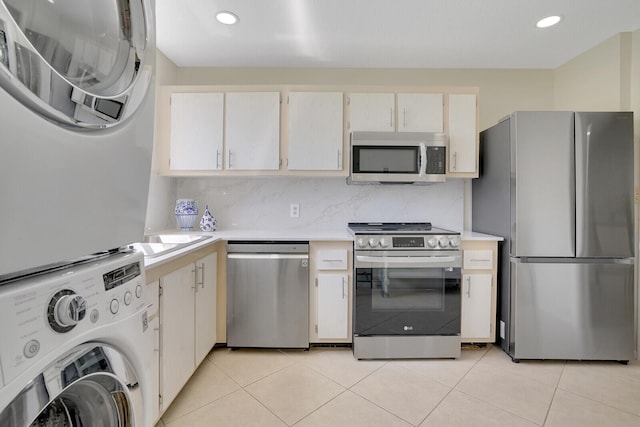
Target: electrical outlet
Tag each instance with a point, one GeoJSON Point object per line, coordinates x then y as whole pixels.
{"type": "Point", "coordinates": [294, 210]}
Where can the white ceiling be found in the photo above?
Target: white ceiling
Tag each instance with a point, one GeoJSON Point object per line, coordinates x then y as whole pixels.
{"type": "Point", "coordinates": [387, 33]}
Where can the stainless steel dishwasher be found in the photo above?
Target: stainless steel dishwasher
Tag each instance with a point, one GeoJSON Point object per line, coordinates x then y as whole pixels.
{"type": "Point", "coordinates": [267, 294]}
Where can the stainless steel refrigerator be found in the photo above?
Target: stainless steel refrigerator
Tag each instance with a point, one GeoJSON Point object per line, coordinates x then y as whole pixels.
{"type": "Point", "coordinates": [558, 186]}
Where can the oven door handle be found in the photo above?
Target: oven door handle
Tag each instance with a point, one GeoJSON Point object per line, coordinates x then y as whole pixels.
{"type": "Point", "coordinates": [407, 260]}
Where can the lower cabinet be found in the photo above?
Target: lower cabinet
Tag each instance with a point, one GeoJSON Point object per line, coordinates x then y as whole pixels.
{"type": "Point", "coordinates": [187, 323]}
{"type": "Point", "coordinates": [331, 292]}
{"type": "Point", "coordinates": [476, 306]}
{"type": "Point", "coordinates": [478, 292]}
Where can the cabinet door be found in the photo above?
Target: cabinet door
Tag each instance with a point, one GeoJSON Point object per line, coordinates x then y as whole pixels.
{"type": "Point", "coordinates": [153, 290]}
{"type": "Point", "coordinates": [205, 306]}
{"type": "Point", "coordinates": [333, 305]}
{"type": "Point", "coordinates": [476, 306]}
{"type": "Point", "coordinates": [420, 112]}
{"type": "Point", "coordinates": [196, 131]}
{"type": "Point", "coordinates": [177, 336]}
{"type": "Point", "coordinates": [372, 111]}
{"type": "Point", "coordinates": [252, 121]}
{"type": "Point", "coordinates": [463, 136]}
{"type": "Point", "coordinates": [315, 131]}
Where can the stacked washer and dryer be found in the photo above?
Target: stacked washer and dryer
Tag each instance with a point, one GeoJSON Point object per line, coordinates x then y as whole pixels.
{"type": "Point", "coordinates": [76, 123]}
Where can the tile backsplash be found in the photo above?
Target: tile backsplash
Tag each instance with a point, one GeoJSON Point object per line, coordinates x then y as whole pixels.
{"type": "Point", "coordinates": [325, 203]}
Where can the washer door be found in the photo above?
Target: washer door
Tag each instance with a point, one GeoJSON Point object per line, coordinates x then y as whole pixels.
{"type": "Point", "coordinates": [92, 385]}
{"type": "Point", "coordinates": [78, 62]}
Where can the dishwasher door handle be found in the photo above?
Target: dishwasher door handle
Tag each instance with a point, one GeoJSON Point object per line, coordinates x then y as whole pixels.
{"type": "Point", "coordinates": [268, 256]}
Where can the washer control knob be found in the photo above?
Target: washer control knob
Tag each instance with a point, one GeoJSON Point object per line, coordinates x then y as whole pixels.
{"type": "Point", "coordinates": [361, 242]}
{"type": "Point", "coordinates": [138, 291]}
{"type": "Point", "coordinates": [373, 242]}
{"type": "Point", "coordinates": [432, 242]}
{"type": "Point", "coordinates": [31, 349]}
{"type": "Point", "coordinates": [114, 306]}
{"type": "Point", "coordinates": [70, 309]}
{"type": "Point", "coordinates": [443, 242]}
{"type": "Point", "coordinates": [127, 298]}
{"type": "Point", "coordinates": [384, 242]}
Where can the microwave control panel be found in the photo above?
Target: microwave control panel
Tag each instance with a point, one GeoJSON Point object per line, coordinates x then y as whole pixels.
{"type": "Point", "coordinates": [436, 160]}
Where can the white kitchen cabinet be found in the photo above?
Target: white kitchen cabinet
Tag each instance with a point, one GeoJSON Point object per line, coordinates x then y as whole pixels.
{"type": "Point", "coordinates": [252, 130]}
{"type": "Point", "coordinates": [196, 131]}
{"type": "Point", "coordinates": [420, 112]}
{"type": "Point", "coordinates": [315, 131]}
{"type": "Point", "coordinates": [476, 306]}
{"type": "Point", "coordinates": [333, 305]}
{"type": "Point", "coordinates": [205, 306]}
{"type": "Point", "coordinates": [331, 293]}
{"type": "Point", "coordinates": [187, 323]}
{"type": "Point", "coordinates": [463, 135]}
{"type": "Point", "coordinates": [372, 112]}
{"type": "Point", "coordinates": [153, 292]}
{"type": "Point", "coordinates": [478, 290]}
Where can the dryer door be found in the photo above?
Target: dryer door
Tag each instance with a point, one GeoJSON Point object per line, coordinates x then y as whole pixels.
{"type": "Point", "coordinates": [81, 63]}
{"type": "Point", "coordinates": [92, 385]}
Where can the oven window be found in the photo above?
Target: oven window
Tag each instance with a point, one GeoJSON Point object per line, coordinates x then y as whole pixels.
{"type": "Point", "coordinates": [407, 301]}
{"type": "Point", "coordinates": [376, 159]}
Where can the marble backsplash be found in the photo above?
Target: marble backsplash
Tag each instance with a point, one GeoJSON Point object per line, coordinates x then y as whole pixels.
{"type": "Point", "coordinates": [325, 203]}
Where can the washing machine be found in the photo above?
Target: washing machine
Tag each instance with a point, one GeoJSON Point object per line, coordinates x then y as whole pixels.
{"type": "Point", "coordinates": [77, 348]}
{"type": "Point", "coordinates": [76, 124]}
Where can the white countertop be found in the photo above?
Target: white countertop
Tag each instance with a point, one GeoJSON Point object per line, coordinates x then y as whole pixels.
{"type": "Point", "coordinates": [473, 235]}
{"type": "Point", "coordinates": [276, 235]}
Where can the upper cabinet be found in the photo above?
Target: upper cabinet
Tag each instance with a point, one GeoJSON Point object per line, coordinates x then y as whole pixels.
{"type": "Point", "coordinates": [252, 125]}
{"type": "Point", "coordinates": [196, 131]}
{"type": "Point", "coordinates": [372, 111]}
{"type": "Point", "coordinates": [463, 136]}
{"type": "Point", "coordinates": [248, 130]}
{"type": "Point", "coordinates": [315, 131]}
{"type": "Point", "coordinates": [420, 112]}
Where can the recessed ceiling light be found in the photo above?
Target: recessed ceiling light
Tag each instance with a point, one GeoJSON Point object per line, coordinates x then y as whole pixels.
{"type": "Point", "coordinates": [225, 17]}
{"type": "Point", "coordinates": [548, 21]}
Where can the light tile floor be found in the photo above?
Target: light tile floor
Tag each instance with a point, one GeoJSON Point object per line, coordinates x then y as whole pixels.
{"type": "Point", "coordinates": [328, 387]}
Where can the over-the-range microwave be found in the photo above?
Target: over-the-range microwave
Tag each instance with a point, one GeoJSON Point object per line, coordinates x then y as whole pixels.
{"type": "Point", "coordinates": [397, 157]}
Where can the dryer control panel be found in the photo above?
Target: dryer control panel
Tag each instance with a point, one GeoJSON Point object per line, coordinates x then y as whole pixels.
{"type": "Point", "coordinates": [64, 308]}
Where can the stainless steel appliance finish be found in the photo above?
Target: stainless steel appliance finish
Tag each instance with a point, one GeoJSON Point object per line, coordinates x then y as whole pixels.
{"type": "Point", "coordinates": [268, 294]}
{"type": "Point", "coordinates": [397, 157]}
{"type": "Point", "coordinates": [558, 186]}
{"type": "Point", "coordinates": [407, 298]}
{"type": "Point", "coordinates": [77, 99]}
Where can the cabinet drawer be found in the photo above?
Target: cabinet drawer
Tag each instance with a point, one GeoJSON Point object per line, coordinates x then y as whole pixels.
{"type": "Point", "coordinates": [477, 260]}
{"type": "Point", "coordinates": [332, 259]}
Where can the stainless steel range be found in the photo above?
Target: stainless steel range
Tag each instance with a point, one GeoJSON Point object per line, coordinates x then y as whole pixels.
{"type": "Point", "coordinates": [407, 291]}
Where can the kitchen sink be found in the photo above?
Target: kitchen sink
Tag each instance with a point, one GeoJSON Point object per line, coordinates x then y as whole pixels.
{"type": "Point", "coordinates": [155, 245]}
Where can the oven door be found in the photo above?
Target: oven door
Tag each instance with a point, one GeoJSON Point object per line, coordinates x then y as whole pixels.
{"type": "Point", "coordinates": [407, 293]}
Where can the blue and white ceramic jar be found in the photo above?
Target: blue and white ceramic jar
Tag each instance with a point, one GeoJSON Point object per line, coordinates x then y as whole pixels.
{"type": "Point", "coordinates": [208, 222]}
{"type": "Point", "coordinates": [186, 211]}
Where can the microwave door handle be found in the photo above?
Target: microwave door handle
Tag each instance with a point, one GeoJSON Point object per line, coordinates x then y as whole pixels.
{"type": "Point", "coordinates": [422, 166]}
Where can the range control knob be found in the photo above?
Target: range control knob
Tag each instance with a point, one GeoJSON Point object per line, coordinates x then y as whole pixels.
{"type": "Point", "coordinates": [454, 242]}
{"type": "Point", "coordinates": [443, 242]}
{"type": "Point", "coordinates": [65, 310]}
{"type": "Point", "coordinates": [361, 242]}
{"type": "Point", "coordinates": [432, 242]}
{"type": "Point", "coordinates": [384, 242]}
{"type": "Point", "coordinates": [373, 242]}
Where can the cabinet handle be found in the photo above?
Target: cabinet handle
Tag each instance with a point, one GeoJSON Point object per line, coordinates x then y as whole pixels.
{"type": "Point", "coordinates": [468, 287]}
{"type": "Point", "coordinates": [201, 268]}
{"type": "Point", "coordinates": [455, 161]}
{"type": "Point", "coordinates": [230, 166]}
{"type": "Point", "coordinates": [391, 118]}
{"type": "Point", "coordinates": [218, 159]}
{"type": "Point", "coordinates": [404, 117]}
{"type": "Point", "coordinates": [331, 260]}
{"type": "Point", "coordinates": [343, 293]}
{"type": "Point", "coordinates": [339, 159]}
